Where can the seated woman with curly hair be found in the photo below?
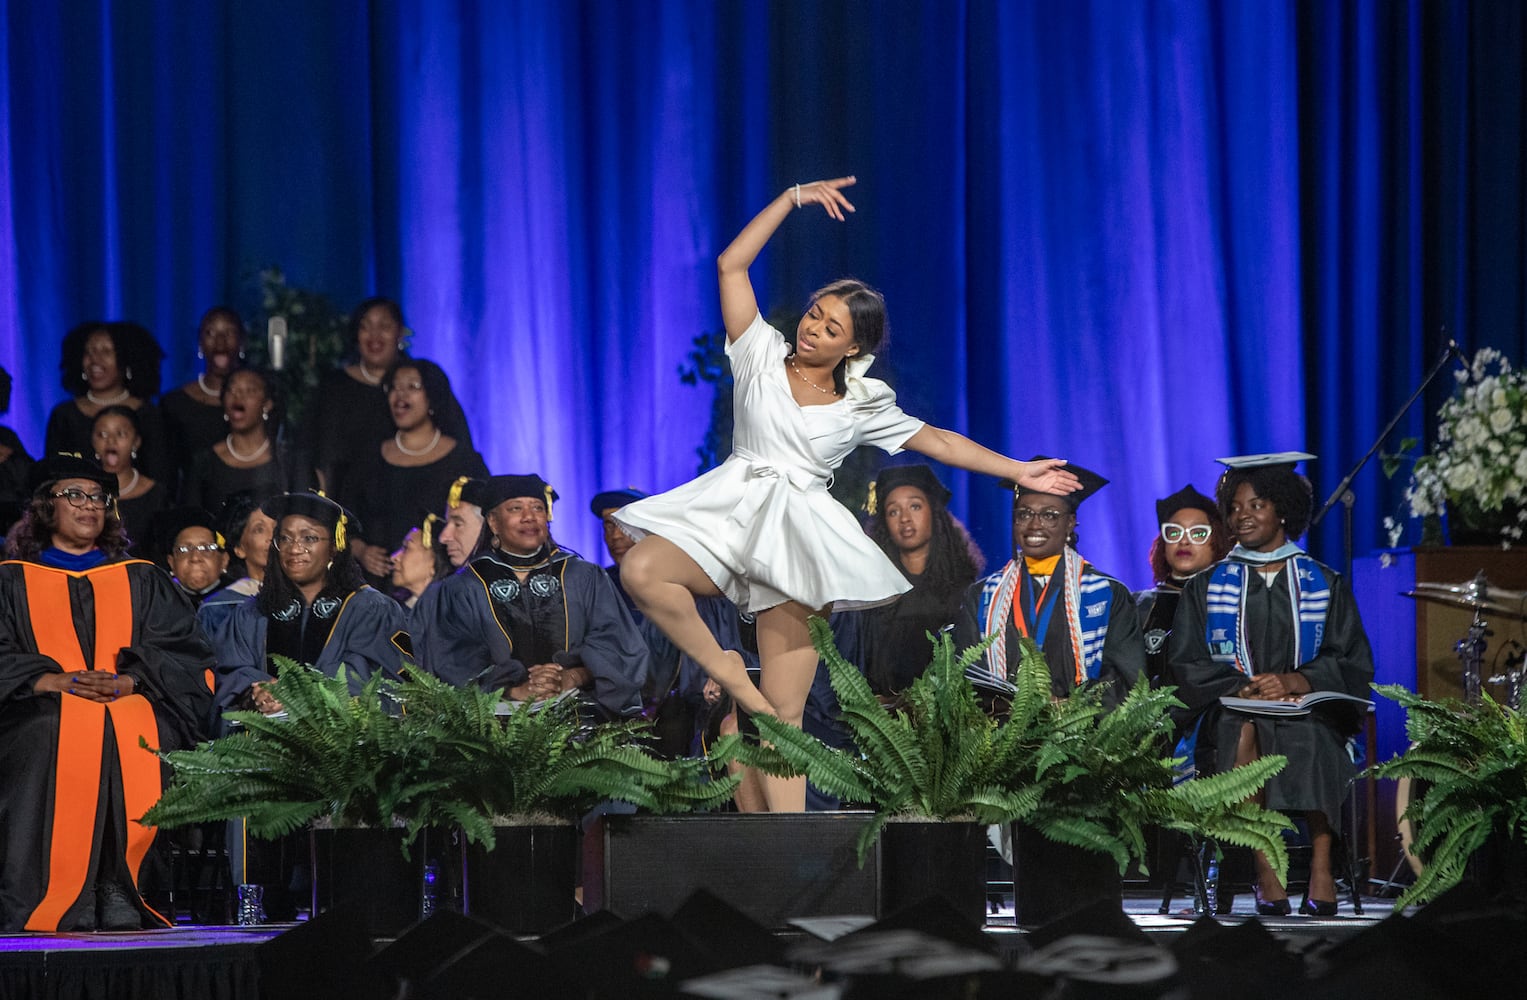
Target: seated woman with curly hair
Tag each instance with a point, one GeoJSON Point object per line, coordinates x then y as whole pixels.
{"type": "Point", "coordinates": [910, 521]}
{"type": "Point", "coordinates": [96, 652]}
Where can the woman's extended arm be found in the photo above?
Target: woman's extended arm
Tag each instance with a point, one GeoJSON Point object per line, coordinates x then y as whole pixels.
{"type": "Point", "coordinates": [1045, 476]}
{"type": "Point", "coordinates": [738, 306]}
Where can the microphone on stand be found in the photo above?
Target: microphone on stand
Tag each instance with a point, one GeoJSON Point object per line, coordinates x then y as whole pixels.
{"type": "Point", "coordinates": [275, 340]}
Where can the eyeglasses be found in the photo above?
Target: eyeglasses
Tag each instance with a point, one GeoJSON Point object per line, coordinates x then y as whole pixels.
{"type": "Point", "coordinates": [205, 548]}
{"type": "Point", "coordinates": [298, 543]}
{"type": "Point", "coordinates": [1198, 534]}
{"type": "Point", "coordinates": [79, 498]}
{"type": "Point", "coordinates": [1048, 517]}
{"type": "Point", "coordinates": [414, 386]}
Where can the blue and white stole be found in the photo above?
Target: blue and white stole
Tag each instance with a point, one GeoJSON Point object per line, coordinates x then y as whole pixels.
{"type": "Point", "coordinates": [1088, 602]}
{"type": "Point", "coordinates": [1308, 594]}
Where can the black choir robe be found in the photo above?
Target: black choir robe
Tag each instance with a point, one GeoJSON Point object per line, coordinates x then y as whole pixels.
{"type": "Point", "coordinates": [1319, 768]}
{"type": "Point", "coordinates": [474, 627]}
{"type": "Point", "coordinates": [73, 779]}
{"type": "Point", "coordinates": [896, 646]}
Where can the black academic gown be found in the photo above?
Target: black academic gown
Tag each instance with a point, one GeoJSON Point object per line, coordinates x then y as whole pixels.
{"type": "Point", "coordinates": [1319, 768]}
{"type": "Point", "coordinates": [896, 646]}
{"type": "Point", "coordinates": [1123, 646]}
{"type": "Point", "coordinates": [355, 629]}
{"type": "Point", "coordinates": [482, 626]}
{"type": "Point", "coordinates": [128, 615]}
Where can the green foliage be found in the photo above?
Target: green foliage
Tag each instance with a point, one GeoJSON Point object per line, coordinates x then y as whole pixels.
{"type": "Point", "coordinates": [316, 337]}
{"type": "Point", "coordinates": [422, 753]}
{"type": "Point", "coordinates": [1474, 761]}
{"type": "Point", "coordinates": [1074, 772]}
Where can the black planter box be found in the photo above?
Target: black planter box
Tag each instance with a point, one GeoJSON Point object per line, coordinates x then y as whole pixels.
{"type": "Point", "coordinates": [525, 884]}
{"type": "Point", "coordinates": [922, 859]}
{"type": "Point", "coordinates": [772, 866]}
{"type": "Point", "coordinates": [1051, 879]}
{"type": "Point", "coordinates": [364, 873]}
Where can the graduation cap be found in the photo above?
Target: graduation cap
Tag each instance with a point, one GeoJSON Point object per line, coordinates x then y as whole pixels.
{"type": "Point", "coordinates": [1271, 460]}
{"type": "Point", "coordinates": [69, 465]}
{"type": "Point", "coordinates": [614, 498]}
{"type": "Point", "coordinates": [466, 490]}
{"type": "Point", "coordinates": [918, 475]}
{"type": "Point", "coordinates": [167, 525]}
{"type": "Point", "coordinates": [497, 489]}
{"type": "Point", "coordinates": [323, 957]}
{"type": "Point", "coordinates": [316, 506]}
{"type": "Point", "coordinates": [1186, 498]}
{"type": "Point", "coordinates": [1091, 483]}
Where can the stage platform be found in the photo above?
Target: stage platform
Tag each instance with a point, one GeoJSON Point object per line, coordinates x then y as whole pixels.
{"type": "Point", "coordinates": [222, 963]}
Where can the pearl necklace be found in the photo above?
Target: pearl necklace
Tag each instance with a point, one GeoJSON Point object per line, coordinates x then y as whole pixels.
{"type": "Point", "coordinates": [825, 392]}
{"type": "Point", "coordinates": [397, 439]}
{"type": "Point", "coordinates": [201, 380]}
{"type": "Point", "coordinates": [234, 454]}
{"type": "Point", "coordinates": [366, 374]}
{"type": "Point", "coordinates": [132, 484]}
{"type": "Point", "coordinates": [90, 395]}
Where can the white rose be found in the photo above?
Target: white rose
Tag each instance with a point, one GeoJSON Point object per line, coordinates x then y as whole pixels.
{"type": "Point", "coordinates": [1462, 477]}
{"type": "Point", "coordinates": [1520, 468]}
{"type": "Point", "coordinates": [1501, 420]}
{"type": "Point", "coordinates": [1498, 398]}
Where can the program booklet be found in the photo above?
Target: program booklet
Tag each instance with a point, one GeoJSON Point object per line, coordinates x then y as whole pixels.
{"type": "Point", "coordinates": [1259, 706]}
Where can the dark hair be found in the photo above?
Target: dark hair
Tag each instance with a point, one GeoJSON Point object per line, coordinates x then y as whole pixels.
{"type": "Point", "coordinates": [5, 390]}
{"type": "Point", "coordinates": [1219, 541]}
{"type": "Point", "coordinates": [866, 310]}
{"type": "Point", "coordinates": [353, 329]}
{"type": "Point", "coordinates": [232, 518]}
{"type": "Point", "coordinates": [1291, 494]}
{"type": "Point", "coordinates": [277, 590]}
{"type": "Point", "coordinates": [227, 312]}
{"type": "Point", "coordinates": [444, 409]}
{"type": "Point", "coordinates": [34, 532]}
{"type": "Point", "coordinates": [954, 561]}
{"type": "Point", "coordinates": [273, 394]}
{"type": "Point", "coordinates": [138, 357]}
{"type": "Point", "coordinates": [118, 410]}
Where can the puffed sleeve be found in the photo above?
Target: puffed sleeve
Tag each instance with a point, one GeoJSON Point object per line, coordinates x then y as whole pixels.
{"type": "Point", "coordinates": [759, 346]}
{"type": "Point", "coordinates": [877, 418]}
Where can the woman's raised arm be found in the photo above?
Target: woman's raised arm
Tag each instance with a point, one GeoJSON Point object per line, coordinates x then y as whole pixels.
{"type": "Point", "coordinates": [1045, 476]}
{"type": "Point", "coordinates": [738, 305]}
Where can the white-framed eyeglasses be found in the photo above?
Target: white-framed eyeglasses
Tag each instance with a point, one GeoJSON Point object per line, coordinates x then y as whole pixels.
{"type": "Point", "coordinates": [1198, 534]}
{"type": "Point", "coordinates": [206, 548]}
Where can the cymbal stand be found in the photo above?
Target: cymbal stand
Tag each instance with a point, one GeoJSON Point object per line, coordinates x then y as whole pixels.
{"type": "Point", "coordinates": [1471, 653]}
{"type": "Point", "coordinates": [1511, 678]}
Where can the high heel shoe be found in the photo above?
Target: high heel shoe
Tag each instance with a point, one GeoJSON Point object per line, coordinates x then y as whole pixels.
{"type": "Point", "coordinates": [1317, 907]}
{"type": "Point", "coordinates": [1271, 907]}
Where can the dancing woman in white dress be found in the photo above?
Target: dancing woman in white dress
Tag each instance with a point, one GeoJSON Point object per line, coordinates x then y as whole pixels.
{"type": "Point", "coordinates": [761, 528]}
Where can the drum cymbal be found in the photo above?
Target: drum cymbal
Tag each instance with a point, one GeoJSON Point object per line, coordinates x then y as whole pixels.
{"type": "Point", "coordinates": [1474, 597]}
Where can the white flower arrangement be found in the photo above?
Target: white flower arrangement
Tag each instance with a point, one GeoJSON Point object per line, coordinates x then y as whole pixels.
{"type": "Point", "coordinates": [1478, 469]}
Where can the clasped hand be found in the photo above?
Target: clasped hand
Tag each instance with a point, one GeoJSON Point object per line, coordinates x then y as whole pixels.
{"type": "Point", "coordinates": [1275, 687]}
{"type": "Point", "coordinates": [547, 680]}
{"type": "Point", "coordinates": [92, 685]}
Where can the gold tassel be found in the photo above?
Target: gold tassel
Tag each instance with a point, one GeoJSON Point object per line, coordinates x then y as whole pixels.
{"type": "Point", "coordinates": [870, 504]}
{"type": "Point", "coordinates": [426, 531]}
{"type": "Point", "coordinates": [217, 536]}
{"type": "Point", "coordinates": [339, 534]}
{"type": "Point", "coordinates": [548, 501]}
{"type": "Point", "coordinates": [453, 495]}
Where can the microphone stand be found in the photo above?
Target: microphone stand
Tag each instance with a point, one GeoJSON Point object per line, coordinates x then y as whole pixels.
{"type": "Point", "coordinates": [1343, 492]}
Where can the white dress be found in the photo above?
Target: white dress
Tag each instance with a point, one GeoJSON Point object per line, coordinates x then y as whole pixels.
{"type": "Point", "coordinates": [762, 524]}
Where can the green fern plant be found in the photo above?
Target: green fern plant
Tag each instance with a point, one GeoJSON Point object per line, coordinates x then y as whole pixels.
{"type": "Point", "coordinates": [1077, 774]}
{"type": "Point", "coordinates": [1472, 760]}
{"type": "Point", "coordinates": [421, 753]}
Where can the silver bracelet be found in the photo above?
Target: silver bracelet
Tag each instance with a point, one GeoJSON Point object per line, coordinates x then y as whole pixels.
{"type": "Point", "coordinates": [797, 194]}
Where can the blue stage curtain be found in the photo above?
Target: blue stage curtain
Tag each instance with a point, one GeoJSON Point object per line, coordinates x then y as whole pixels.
{"type": "Point", "coordinates": [1140, 235]}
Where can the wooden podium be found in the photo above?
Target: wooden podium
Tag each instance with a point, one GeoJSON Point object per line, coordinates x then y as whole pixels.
{"type": "Point", "coordinates": [1439, 626]}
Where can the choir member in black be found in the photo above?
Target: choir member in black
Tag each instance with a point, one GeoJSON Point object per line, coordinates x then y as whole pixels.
{"type": "Point", "coordinates": [419, 562]}
{"type": "Point", "coordinates": [399, 482]}
{"type": "Point", "coordinates": [106, 364]}
{"type": "Point", "coordinates": [96, 651]}
{"type": "Point", "coordinates": [253, 454]}
{"type": "Point", "coordinates": [193, 413]}
{"type": "Point", "coordinates": [116, 439]}
{"type": "Point", "coordinates": [1083, 621]}
{"type": "Point", "coordinates": [189, 543]}
{"type": "Point", "coordinates": [15, 464]}
{"type": "Point", "coordinates": [530, 617]}
{"type": "Point", "coordinates": [1271, 623]}
{"type": "Point", "coordinates": [313, 607]}
{"type": "Point", "coordinates": [465, 532]}
{"type": "Point", "coordinates": [350, 415]}
{"type": "Point", "coordinates": [910, 521]}
{"type": "Point", "coordinates": [677, 698]}
{"type": "Point", "coordinates": [1190, 538]}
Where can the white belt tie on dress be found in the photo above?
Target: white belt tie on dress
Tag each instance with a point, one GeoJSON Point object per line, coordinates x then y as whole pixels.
{"type": "Point", "coordinates": [800, 478]}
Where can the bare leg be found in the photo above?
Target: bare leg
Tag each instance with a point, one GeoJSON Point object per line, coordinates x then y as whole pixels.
{"type": "Point", "coordinates": [1247, 750]}
{"type": "Point", "coordinates": [789, 664]}
{"type": "Point", "coordinates": [750, 794]}
{"type": "Point", "coordinates": [664, 582]}
{"type": "Point", "coordinates": [1322, 881]}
